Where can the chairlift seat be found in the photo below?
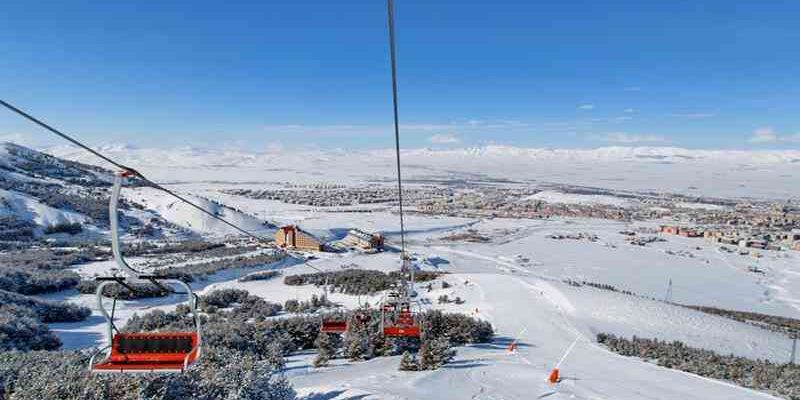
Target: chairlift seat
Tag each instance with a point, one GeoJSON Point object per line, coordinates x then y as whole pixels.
{"type": "Point", "coordinates": [401, 330]}
{"type": "Point", "coordinates": [333, 327]}
{"type": "Point", "coordinates": [150, 352]}
{"type": "Point", "coordinates": [403, 326]}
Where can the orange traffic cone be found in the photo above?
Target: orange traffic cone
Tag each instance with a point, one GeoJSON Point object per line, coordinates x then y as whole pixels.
{"type": "Point", "coordinates": [553, 377]}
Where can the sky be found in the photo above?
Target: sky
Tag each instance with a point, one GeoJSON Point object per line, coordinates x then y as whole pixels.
{"type": "Point", "coordinates": [315, 74]}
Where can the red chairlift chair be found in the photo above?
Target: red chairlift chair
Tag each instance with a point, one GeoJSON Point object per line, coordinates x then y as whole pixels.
{"type": "Point", "coordinates": [399, 320]}
{"type": "Point", "coordinates": [333, 326]}
{"type": "Point", "coordinates": [150, 351]}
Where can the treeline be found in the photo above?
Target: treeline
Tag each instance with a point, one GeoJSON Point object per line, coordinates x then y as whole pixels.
{"type": "Point", "coordinates": [356, 281]}
{"type": "Point", "coordinates": [219, 374]}
{"type": "Point", "coordinates": [200, 271]}
{"type": "Point", "coordinates": [23, 318]}
{"type": "Point", "coordinates": [260, 276]}
{"type": "Point", "coordinates": [37, 271]}
{"type": "Point", "coordinates": [307, 306]}
{"type": "Point", "coordinates": [440, 332]}
{"type": "Point", "coordinates": [779, 379]}
{"type": "Point", "coordinates": [237, 320]}
{"type": "Point", "coordinates": [187, 273]}
{"type": "Point", "coordinates": [601, 286]}
{"type": "Point", "coordinates": [13, 229]}
{"type": "Point", "coordinates": [775, 323]}
{"type": "Point", "coordinates": [142, 290]}
{"type": "Point", "coordinates": [789, 326]}
{"type": "Point", "coordinates": [23, 321]}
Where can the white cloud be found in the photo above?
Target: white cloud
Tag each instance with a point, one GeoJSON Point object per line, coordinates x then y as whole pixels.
{"type": "Point", "coordinates": [629, 110]}
{"type": "Point", "coordinates": [763, 135]}
{"type": "Point", "coordinates": [699, 115]}
{"type": "Point", "coordinates": [444, 138]}
{"type": "Point", "coordinates": [621, 118]}
{"type": "Point", "coordinates": [586, 107]}
{"type": "Point", "coordinates": [767, 135]}
{"type": "Point", "coordinates": [627, 138]}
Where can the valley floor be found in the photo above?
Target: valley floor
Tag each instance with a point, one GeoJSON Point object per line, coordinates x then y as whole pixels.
{"type": "Point", "coordinates": [516, 281]}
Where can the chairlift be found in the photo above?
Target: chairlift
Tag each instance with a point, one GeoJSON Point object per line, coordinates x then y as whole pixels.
{"type": "Point", "coordinates": [334, 324]}
{"type": "Point", "coordinates": [398, 318]}
{"type": "Point", "coordinates": [144, 351]}
{"type": "Point", "coordinates": [147, 351]}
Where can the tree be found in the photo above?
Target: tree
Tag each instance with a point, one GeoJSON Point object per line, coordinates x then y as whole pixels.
{"type": "Point", "coordinates": [356, 346]}
{"type": "Point", "coordinates": [261, 384]}
{"type": "Point", "coordinates": [274, 356]}
{"type": "Point", "coordinates": [408, 362]}
{"type": "Point", "coordinates": [325, 350]}
{"type": "Point", "coordinates": [434, 353]}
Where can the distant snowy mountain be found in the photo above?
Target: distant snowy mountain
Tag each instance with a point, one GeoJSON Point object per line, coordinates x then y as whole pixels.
{"type": "Point", "coordinates": [725, 173]}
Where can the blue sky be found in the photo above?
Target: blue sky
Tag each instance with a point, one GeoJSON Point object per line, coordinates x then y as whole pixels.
{"type": "Point", "coordinates": [259, 74]}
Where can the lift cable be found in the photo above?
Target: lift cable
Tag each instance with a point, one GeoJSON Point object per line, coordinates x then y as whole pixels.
{"type": "Point", "coordinates": [390, 18]}
{"type": "Point", "coordinates": [135, 173]}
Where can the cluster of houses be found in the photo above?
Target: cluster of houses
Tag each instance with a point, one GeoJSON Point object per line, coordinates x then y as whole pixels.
{"type": "Point", "coordinates": [779, 240]}
{"type": "Point", "coordinates": [363, 240]}
{"type": "Point", "coordinates": [337, 196]}
{"type": "Point", "coordinates": [292, 237]}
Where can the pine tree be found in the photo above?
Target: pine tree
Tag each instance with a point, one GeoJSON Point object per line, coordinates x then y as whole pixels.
{"type": "Point", "coordinates": [408, 362]}
{"type": "Point", "coordinates": [274, 355]}
{"type": "Point", "coordinates": [260, 384]}
{"type": "Point", "coordinates": [434, 353]}
{"type": "Point", "coordinates": [356, 346]}
{"type": "Point", "coordinates": [357, 343]}
{"type": "Point", "coordinates": [325, 350]}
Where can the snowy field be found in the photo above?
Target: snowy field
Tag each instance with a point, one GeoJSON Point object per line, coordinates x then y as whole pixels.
{"type": "Point", "coordinates": [516, 280]}
{"type": "Point", "coordinates": [760, 174]}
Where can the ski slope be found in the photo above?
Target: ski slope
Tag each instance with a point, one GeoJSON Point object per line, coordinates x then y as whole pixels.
{"type": "Point", "coordinates": [516, 283]}
{"type": "Point", "coordinates": [31, 209]}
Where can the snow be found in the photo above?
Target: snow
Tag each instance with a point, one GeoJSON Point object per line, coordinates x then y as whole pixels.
{"type": "Point", "coordinates": [700, 206]}
{"type": "Point", "coordinates": [179, 213]}
{"type": "Point", "coordinates": [726, 173]}
{"type": "Point", "coordinates": [30, 209]}
{"type": "Point", "coordinates": [515, 282]}
{"type": "Point", "coordinates": [552, 196]}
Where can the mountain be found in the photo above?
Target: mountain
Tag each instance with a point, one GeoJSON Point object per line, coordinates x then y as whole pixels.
{"type": "Point", "coordinates": [44, 196]}
{"type": "Point", "coordinates": [723, 173]}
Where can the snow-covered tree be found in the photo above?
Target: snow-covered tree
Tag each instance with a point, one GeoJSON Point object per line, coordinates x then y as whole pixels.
{"type": "Point", "coordinates": [408, 362]}
{"type": "Point", "coordinates": [434, 353]}
{"type": "Point", "coordinates": [325, 350]}
{"type": "Point", "coordinates": [261, 384]}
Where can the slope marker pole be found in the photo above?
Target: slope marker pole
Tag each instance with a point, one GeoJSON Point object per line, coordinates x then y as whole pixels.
{"type": "Point", "coordinates": [554, 378]}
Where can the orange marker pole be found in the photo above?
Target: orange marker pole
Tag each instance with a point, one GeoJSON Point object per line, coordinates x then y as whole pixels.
{"type": "Point", "coordinates": [513, 345]}
{"type": "Point", "coordinates": [554, 378]}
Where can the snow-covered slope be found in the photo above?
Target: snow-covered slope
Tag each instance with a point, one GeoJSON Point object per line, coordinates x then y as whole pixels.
{"type": "Point", "coordinates": [516, 283]}
{"type": "Point", "coordinates": [45, 190]}
{"type": "Point", "coordinates": [179, 213]}
{"type": "Point", "coordinates": [28, 208]}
